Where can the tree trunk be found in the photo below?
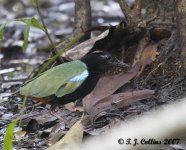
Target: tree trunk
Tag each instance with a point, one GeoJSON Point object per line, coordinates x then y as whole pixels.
{"type": "Point", "coordinates": [182, 28]}
{"type": "Point", "coordinates": [82, 17]}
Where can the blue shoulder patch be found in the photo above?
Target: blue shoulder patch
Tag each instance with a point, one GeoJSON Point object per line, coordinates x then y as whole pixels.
{"type": "Point", "coordinates": [80, 77]}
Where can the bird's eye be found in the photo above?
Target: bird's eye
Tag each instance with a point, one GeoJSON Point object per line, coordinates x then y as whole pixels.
{"type": "Point", "coordinates": [106, 57]}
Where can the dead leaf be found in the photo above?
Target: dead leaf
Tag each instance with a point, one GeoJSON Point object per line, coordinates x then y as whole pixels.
{"type": "Point", "coordinates": [19, 135]}
{"type": "Point", "coordinates": [45, 117]}
{"type": "Point", "coordinates": [82, 49]}
{"type": "Point", "coordinates": [13, 107]}
{"type": "Point", "coordinates": [36, 120]}
{"type": "Point", "coordinates": [141, 46]}
{"type": "Point", "coordinates": [70, 107]}
{"type": "Point", "coordinates": [118, 101]}
{"type": "Point", "coordinates": [147, 56]}
{"type": "Point", "coordinates": [32, 125]}
{"type": "Point", "coordinates": [73, 108]}
{"type": "Point", "coordinates": [72, 140]}
{"type": "Point", "coordinates": [56, 133]}
{"type": "Point", "coordinates": [105, 129]}
{"type": "Point", "coordinates": [107, 85]}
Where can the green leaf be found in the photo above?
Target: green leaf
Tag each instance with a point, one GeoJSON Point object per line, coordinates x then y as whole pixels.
{"type": "Point", "coordinates": [29, 22]}
{"type": "Point", "coordinates": [24, 20]}
{"type": "Point", "coordinates": [34, 2]}
{"type": "Point", "coordinates": [26, 34]}
{"type": "Point", "coordinates": [35, 23]}
{"type": "Point", "coordinates": [2, 30]}
{"type": "Point", "coordinates": [68, 45]}
{"type": "Point", "coordinates": [32, 22]}
{"type": "Point", "coordinates": [9, 136]}
{"type": "Point", "coordinates": [23, 106]}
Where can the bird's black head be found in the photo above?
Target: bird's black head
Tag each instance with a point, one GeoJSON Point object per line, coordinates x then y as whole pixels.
{"type": "Point", "coordinates": [102, 61]}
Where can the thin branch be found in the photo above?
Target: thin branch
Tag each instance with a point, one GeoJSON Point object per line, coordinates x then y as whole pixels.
{"type": "Point", "coordinates": [144, 23]}
{"type": "Point", "coordinates": [54, 50]}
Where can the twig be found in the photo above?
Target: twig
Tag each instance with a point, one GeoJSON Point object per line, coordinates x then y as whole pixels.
{"type": "Point", "coordinates": [154, 16]}
{"type": "Point", "coordinates": [147, 78]}
{"type": "Point", "coordinates": [163, 24]}
{"type": "Point", "coordinates": [144, 23]}
{"type": "Point", "coordinates": [35, 105]}
{"type": "Point", "coordinates": [54, 51]}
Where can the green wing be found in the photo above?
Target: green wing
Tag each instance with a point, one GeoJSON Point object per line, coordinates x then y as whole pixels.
{"type": "Point", "coordinates": [56, 80]}
{"type": "Point", "coordinates": [69, 88]}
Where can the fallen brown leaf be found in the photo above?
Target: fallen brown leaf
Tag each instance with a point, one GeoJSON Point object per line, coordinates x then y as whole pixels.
{"type": "Point", "coordinates": [82, 49]}
{"type": "Point", "coordinates": [118, 101]}
{"type": "Point", "coordinates": [56, 133]}
{"type": "Point", "coordinates": [73, 108]}
{"type": "Point", "coordinates": [105, 129]}
{"type": "Point", "coordinates": [70, 106]}
{"type": "Point", "coordinates": [107, 85]}
{"type": "Point", "coordinates": [147, 56]}
{"type": "Point", "coordinates": [72, 139]}
{"type": "Point", "coordinates": [32, 126]}
{"type": "Point", "coordinates": [141, 46]}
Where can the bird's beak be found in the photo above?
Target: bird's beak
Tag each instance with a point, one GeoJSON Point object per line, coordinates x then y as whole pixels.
{"type": "Point", "coordinates": [117, 63]}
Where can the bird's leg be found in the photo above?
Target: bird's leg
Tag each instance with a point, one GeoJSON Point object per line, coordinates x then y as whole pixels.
{"type": "Point", "coordinates": [54, 107]}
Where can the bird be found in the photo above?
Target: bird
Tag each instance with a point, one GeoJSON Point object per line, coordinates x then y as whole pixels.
{"type": "Point", "coordinates": [73, 80]}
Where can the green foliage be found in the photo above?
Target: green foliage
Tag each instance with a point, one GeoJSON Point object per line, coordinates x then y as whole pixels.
{"type": "Point", "coordinates": [8, 140]}
{"type": "Point", "coordinates": [68, 45]}
{"type": "Point", "coordinates": [35, 23]}
{"type": "Point", "coordinates": [34, 2]}
{"type": "Point", "coordinates": [26, 34]}
{"type": "Point", "coordinates": [22, 109]}
{"type": "Point", "coordinates": [9, 136]}
{"type": "Point", "coordinates": [29, 22]}
{"type": "Point", "coordinates": [2, 30]}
